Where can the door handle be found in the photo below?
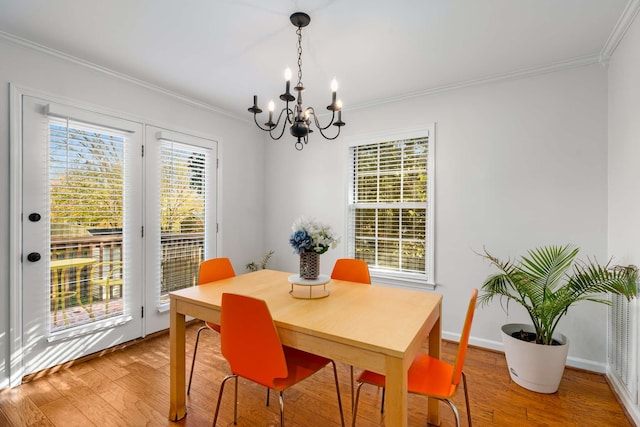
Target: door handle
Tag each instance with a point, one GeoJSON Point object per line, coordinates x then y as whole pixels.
{"type": "Point", "coordinates": [34, 256]}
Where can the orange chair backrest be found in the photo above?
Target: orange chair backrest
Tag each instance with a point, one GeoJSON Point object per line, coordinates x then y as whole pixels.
{"type": "Point", "coordinates": [249, 340]}
{"type": "Point", "coordinates": [464, 338]}
{"type": "Point", "coordinates": [352, 270]}
{"type": "Point", "coordinates": [215, 269]}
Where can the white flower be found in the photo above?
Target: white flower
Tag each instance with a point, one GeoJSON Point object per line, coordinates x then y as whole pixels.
{"type": "Point", "coordinates": [321, 235]}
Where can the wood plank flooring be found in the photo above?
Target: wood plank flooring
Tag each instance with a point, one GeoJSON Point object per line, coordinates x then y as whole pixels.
{"type": "Point", "coordinates": [130, 387]}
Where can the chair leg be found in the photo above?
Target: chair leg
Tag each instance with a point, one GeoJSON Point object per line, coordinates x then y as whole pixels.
{"type": "Point", "coordinates": [466, 398]}
{"type": "Point", "coordinates": [193, 361]}
{"type": "Point", "coordinates": [355, 405]}
{"type": "Point", "coordinates": [352, 387]}
{"type": "Point", "coordinates": [335, 375]}
{"type": "Point", "coordinates": [235, 404]}
{"type": "Point", "coordinates": [224, 381]}
{"type": "Point", "coordinates": [281, 408]}
{"type": "Point", "coordinates": [382, 401]}
{"type": "Point", "coordinates": [454, 409]}
{"type": "Point", "coordinates": [268, 396]}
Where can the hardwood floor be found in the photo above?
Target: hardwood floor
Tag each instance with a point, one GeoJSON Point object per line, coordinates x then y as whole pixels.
{"type": "Point", "coordinates": [130, 387]}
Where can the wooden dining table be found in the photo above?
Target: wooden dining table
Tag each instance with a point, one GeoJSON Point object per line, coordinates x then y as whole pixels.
{"type": "Point", "coordinates": [371, 327]}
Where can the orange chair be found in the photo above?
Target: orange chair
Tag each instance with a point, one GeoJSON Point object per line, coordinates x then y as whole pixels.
{"type": "Point", "coordinates": [211, 270]}
{"type": "Point", "coordinates": [432, 377]}
{"type": "Point", "coordinates": [352, 270]}
{"type": "Point", "coordinates": [250, 343]}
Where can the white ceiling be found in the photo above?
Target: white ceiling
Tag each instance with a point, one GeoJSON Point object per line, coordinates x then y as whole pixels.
{"type": "Point", "coordinates": [222, 52]}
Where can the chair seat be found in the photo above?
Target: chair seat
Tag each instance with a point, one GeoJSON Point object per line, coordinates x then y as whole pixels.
{"type": "Point", "coordinates": [427, 375]}
{"type": "Point", "coordinates": [300, 365]}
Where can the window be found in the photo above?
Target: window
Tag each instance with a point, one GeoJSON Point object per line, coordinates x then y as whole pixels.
{"type": "Point", "coordinates": [86, 191]}
{"type": "Point", "coordinates": [182, 214]}
{"type": "Point", "coordinates": [181, 221]}
{"type": "Point", "coordinates": [390, 209]}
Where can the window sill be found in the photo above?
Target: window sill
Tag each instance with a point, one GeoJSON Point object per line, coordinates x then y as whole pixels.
{"type": "Point", "coordinates": [400, 281]}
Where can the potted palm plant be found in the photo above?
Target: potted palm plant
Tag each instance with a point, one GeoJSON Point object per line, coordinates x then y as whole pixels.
{"type": "Point", "coordinates": [546, 283]}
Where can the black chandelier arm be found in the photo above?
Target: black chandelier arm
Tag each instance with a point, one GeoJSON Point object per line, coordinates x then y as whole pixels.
{"type": "Point", "coordinates": [289, 114]}
{"type": "Point", "coordinates": [255, 119]}
{"type": "Point", "coordinates": [317, 122]}
{"type": "Point", "coordinates": [284, 125]}
{"type": "Point", "coordinates": [328, 137]}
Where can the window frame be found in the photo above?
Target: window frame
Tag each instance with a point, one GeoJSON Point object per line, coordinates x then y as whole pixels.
{"type": "Point", "coordinates": [384, 276]}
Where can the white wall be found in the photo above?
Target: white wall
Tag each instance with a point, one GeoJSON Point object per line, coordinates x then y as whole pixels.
{"type": "Point", "coordinates": [624, 186]}
{"type": "Point", "coordinates": [519, 163]}
{"type": "Point", "coordinates": [241, 148]}
{"type": "Point", "coordinates": [624, 147]}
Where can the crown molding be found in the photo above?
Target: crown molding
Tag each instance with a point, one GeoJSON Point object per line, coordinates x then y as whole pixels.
{"type": "Point", "coordinates": [104, 70]}
{"type": "Point", "coordinates": [622, 26]}
{"type": "Point", "coordinates": [528, 72]}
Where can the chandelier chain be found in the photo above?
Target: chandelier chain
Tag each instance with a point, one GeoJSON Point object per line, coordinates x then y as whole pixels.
{"type": "Point", "coordinates": [299, 33]}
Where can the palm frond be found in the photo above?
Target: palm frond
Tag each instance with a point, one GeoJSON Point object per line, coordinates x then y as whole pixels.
{"type": "Point", "coordinates": [549, 280]}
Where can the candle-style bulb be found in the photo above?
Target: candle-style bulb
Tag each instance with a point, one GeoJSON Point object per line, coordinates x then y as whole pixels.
{"type": "Point", "coordinates": [339, 104]}
{"type": "Point", "coordinates": [334, 89]}
{"type": "Point", "coordinates": [272, 106]}
{"type": "Point", "coordinates": [287, 85]}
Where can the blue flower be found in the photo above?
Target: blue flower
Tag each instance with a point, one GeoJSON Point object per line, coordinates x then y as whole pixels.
{"type": "Point", "coordinates": [301, 241]}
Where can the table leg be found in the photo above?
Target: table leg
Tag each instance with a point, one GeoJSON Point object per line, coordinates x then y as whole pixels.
{"type": "Point", "coordinates": [433, 414]}
{"type": "Point", "coordinates": [396, 392]}
{"type": "Point", "coordinates": [177, 392]}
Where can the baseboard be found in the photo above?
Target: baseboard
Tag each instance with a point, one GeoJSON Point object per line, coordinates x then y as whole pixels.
{"type": "Point", "coordinates": [631, 408]}
{"type": "Point", "coordinates": [574, 362]}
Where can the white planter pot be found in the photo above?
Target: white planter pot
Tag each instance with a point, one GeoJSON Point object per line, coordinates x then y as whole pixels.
{"type": "Point", "coordinates": [534, 366]}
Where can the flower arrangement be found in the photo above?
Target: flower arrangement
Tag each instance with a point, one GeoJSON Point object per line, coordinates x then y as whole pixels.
{"type": "Point", "coordinates": [312, 236]}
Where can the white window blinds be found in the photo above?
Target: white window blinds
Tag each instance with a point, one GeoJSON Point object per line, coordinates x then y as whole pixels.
{"type": "Point", "coordinates": [86, 198]}
{"type": "Point", "coordinates": [388, 206]}
{"type": "Point", "coordinates": [182, 205]}
{"type": "Point", "coordinates": [86, 176]}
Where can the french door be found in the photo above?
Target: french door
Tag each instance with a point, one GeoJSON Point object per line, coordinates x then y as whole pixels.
{"type": "Point", "coordinates": [180, 224]}
{"type": "Point", "coordinates": [115, 215]}
{"type": "Point", "coordinates": [81, 240]}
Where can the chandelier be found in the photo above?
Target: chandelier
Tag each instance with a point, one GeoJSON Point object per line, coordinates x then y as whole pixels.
{"type": "Point", "coordinates": [298, 117]}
